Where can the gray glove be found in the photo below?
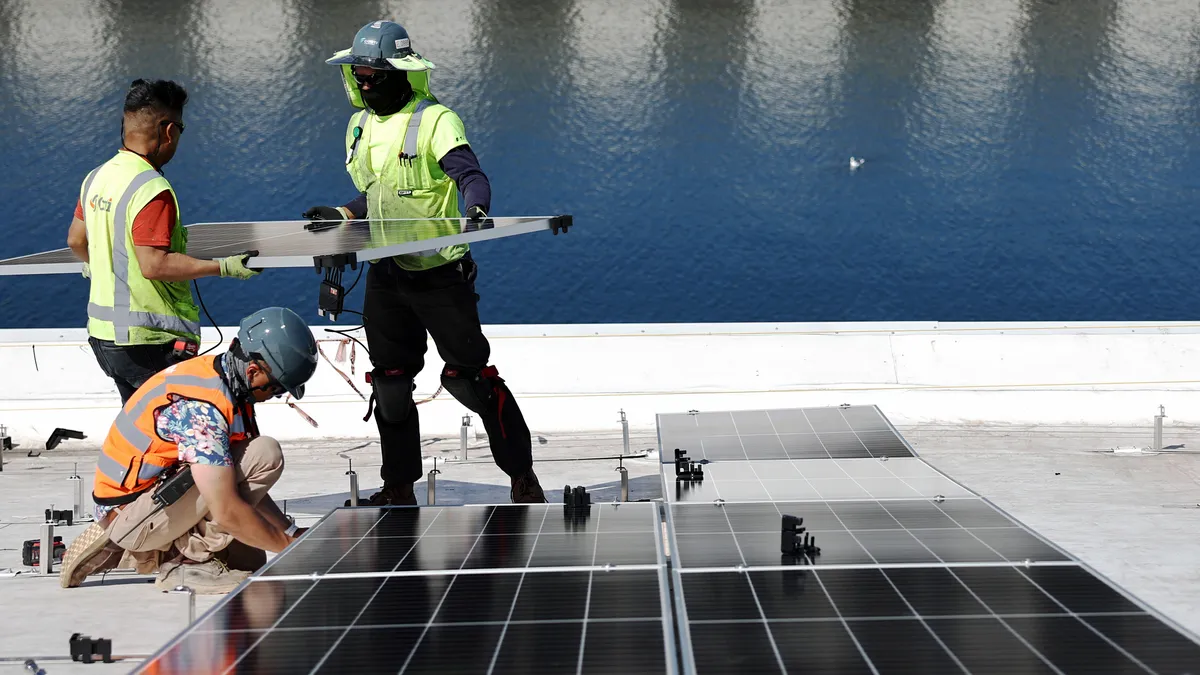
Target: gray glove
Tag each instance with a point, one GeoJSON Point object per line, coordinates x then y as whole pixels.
{"type": "Point", "coordinates": [235, 266]}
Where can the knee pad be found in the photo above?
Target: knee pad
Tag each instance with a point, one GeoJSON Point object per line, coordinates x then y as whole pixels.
{"type": "Point", "coordinates": [391, 395]}
{"type": "Point", "coordinates": [473, 387]}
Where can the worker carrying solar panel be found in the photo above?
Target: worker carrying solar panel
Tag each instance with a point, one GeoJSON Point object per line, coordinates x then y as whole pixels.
{"type": "Point", "coordinates": [409, 157]}
{"type": "Point", "coordinates": [183, 476]}
{"type": "Point", "coordinates": [127, 232]}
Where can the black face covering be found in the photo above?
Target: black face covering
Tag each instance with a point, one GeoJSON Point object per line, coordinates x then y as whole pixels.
{"type": "Point", "coordinates": [389, 95]}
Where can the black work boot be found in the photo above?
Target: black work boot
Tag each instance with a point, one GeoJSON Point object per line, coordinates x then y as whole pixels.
{"type": "Point", "coordinates": [527, 490]}
{"type": "Point", "coordinates": [397, 494]}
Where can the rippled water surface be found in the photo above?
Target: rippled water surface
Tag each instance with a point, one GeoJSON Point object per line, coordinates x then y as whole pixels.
{"type": "Point", "coordinates": [1026, 159]}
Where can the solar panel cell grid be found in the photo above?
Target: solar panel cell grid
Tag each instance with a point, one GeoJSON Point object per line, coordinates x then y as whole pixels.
{"type": "Point", "coordinates": [994, 619]}
{"type": "Point", "coordinates": [816, 479]}
{"type": "Point", "coordinates": [449, 538]}
{"type": "Point", "coordinates": [853, 432]}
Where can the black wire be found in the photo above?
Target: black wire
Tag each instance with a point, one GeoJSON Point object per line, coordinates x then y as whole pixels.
{"type": "Point", "coordinates": [345, 333]}
{"type": "Point", "coordinates": [220, 335]}
{"type": "Point", "coordinates": [360, 270]}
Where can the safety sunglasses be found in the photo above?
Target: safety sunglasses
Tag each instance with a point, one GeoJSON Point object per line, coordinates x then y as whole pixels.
{"type": "Point", "coordinates": [169, 122]}
{"type": "Point", "coordinates": [374, 78]}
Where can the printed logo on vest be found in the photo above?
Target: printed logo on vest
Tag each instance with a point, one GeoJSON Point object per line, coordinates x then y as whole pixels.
{"type": "Point", "coordinates": [98, 203]}
{"type": "Point", "coordinates": [404, 193]}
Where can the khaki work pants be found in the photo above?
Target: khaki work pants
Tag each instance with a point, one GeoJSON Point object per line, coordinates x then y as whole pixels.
{"type": "Point", "coordinates": [186, 525]}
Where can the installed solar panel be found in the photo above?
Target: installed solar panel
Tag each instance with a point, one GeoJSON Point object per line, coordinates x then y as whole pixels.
{"type": "Point", "coordinates": [902, 583]}
{"type": "Point", "coordinates": [289, 244]}
{"type": "Point", "coordinates": [924, 620]}
{"type": "Point", "coordinates": [798, 433]}
{"type": "Point", "coordinates": [768, 480]}
{"type": "Point", "coordinates": [349, 598]}
{"type": "Point", "coordinates": [854, 533]}
{"type": "Point", "coordinates": [365, 540]}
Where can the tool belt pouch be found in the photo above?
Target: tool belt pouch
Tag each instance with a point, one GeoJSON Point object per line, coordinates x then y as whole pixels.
{"type": "Point", "coordinates": [172, 488]}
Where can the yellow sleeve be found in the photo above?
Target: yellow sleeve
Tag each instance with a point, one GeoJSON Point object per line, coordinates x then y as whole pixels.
{"type": "Point", "coordinates": [448, 134]}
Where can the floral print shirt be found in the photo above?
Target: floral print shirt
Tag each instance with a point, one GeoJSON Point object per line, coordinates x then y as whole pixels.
{"type": "Point", "coordinates": [199, 430]}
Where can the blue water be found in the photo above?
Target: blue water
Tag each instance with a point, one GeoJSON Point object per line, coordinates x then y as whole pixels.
{"type": "Point", "coordinates": [1026, 160]}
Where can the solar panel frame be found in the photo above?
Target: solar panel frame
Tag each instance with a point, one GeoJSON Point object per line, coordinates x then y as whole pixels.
{"type": "Point", "coordinates": [277, 242]}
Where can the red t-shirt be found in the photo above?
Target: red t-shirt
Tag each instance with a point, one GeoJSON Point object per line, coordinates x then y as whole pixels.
{"type": "Point", "coordinates": [152, 225]}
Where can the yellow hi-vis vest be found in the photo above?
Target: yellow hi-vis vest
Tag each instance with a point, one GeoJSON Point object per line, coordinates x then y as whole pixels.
{"type": "Point", "coordinates": [409, 184]}
{"type": "Point", "coordinates": [125, 307]}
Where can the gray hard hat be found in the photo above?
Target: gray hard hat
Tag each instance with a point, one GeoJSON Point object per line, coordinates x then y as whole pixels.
{"type": "Point", "coordinates": [279, 337]}
{"type": "Point", "coordinates": [383, 45]}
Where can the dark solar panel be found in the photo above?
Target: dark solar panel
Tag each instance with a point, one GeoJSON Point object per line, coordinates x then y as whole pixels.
{"type": "Point", "coordinates": [915, 573]}
{"type": "Point", "coordinates": [798, 433]}
{"type": "Point", "coordinates": [925, 620]}
{"type": "Point", "coordinates": [509, 588]}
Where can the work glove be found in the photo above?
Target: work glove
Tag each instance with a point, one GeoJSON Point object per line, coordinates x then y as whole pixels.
{"type": "Point", "coordinates": [324, 213]}
{"type": "Point", "coordinates": [87, 271]}
{"type": "Point", "coordinates": [324, 217]}
{"type": "Point", "coordinates": [477, 219]}
{"type": "Point", "coordinates": [235, 266]}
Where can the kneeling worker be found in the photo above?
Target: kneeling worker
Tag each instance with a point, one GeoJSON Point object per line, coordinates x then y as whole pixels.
{"type": "Point", "coordinates": [183, 475]}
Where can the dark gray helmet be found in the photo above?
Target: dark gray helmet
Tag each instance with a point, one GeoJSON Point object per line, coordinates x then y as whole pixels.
{"type": "Point", "coordinates": [383, 45]}
{"type": "Point", "coordinates": [280, 337]}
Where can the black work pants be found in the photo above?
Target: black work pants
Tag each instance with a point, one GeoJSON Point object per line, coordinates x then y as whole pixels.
{"type": "Point", "coordinates": [130, 366]}
{"type": "Point", "coordinates": [400, 308]}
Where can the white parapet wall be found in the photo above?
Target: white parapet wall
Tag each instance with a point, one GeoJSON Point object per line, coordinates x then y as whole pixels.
{"type": "Point", "coordinates": [576, 377]}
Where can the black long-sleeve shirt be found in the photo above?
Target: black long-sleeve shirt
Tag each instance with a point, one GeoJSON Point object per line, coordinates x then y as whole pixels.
{"type": "Point", "coordinates": [462, 166]}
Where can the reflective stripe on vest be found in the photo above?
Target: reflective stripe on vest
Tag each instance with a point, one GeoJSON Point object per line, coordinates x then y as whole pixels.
{"type": "Point", "coordinates": [141, 319]}
{"type": "Point", "coordinates": [409, 149]}
{"type": "Point", "coordinates": [121, 318]}
{"type": "Point", "coordinates": [112, 468]}
{"type": "Point", "coordinates": [87, 185]}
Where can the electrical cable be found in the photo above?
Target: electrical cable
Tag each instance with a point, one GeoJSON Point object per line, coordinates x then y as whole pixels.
{"type": "Point", "coordinates": [220, 335]}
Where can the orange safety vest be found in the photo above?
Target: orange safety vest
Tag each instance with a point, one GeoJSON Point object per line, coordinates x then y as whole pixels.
{"type": "Point", "coordinates": [134, 455]}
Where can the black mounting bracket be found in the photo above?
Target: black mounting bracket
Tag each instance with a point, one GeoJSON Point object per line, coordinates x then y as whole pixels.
{"type": "Point", "coordinates": [59, 434]}
{"type": "Point", "coordinates": [338, 261]}
{"type": "Point", "coordinates": [577, 498]}
{"type": "Point", "coordinates": [561, 223]}
{"type": "Point", "coordinates": [84, 648]}
{"type": "Point", "coordinates": [795, 541]}
{"type": "Point", "coordinates": [686, 469]}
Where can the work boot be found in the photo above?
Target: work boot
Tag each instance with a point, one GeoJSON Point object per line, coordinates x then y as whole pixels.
{"type": "Point", "coordinates": [527, 490]}
{"type": "Point", "coordinates": [91, 553]}
{"type": "Point", "coordinates": [207, 578]}
{"type": "Point", "coordinates": [396, 494]}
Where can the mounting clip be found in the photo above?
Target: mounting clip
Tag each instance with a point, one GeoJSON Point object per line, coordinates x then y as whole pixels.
{"type": "Point", "coordinates": [59, 516]}
{"type": "Point", "coordinates": [686, 469]}
{"type": "Point", "coordinates": [577, 498]}
{"type": "Point", "coordinates": [84, 648]}
{"type": "Point", "coordinates": [561, 223]}
{"type": "Point", "coordinates": [794, 541]}
{"type": "Point", "coordinates": [59, 434]}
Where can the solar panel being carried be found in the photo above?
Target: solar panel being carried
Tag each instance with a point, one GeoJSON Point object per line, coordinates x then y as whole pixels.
{"type": "Point", "coordinates": [897, 578]}
{"type": "Point", "coordinates": [295, 243]}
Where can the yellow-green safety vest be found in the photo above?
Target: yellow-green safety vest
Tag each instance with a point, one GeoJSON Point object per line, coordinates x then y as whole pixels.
{"type": "Point", "coordinates": [124, 306]}
{"type": "Point", "coordinates": [410, 184]}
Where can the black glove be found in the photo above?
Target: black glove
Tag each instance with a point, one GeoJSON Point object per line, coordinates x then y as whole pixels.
{"type": "Point", "coordinates": [329, 214]}
{"type": "Point", "coordinates": [323, 213]}
{"type": "Point", "coordinates": [477, 219]}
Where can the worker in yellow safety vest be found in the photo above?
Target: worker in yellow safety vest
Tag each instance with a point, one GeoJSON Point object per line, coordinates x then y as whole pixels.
{"type": "Point", "coordinates": [128, 233]}
{"type": "Point", "coordinates": [408, 156]}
